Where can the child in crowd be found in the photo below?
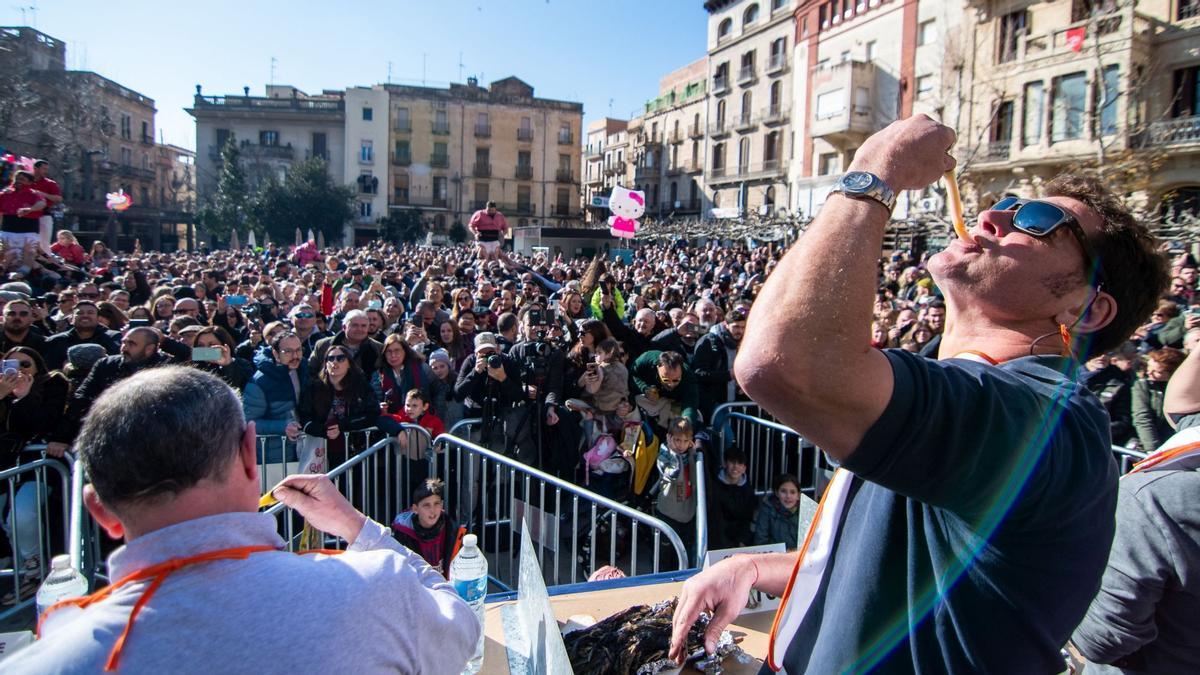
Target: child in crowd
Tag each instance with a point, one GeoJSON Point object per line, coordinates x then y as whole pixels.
{"type": "Point", "coordinates": [610, 385]}
{"type": "Point", "coordinates": [676, 501]}
{"type": "Point", "coordinates": [412, 445]}
{"type": "Point", "coordinates": [427, 529]}
{"type": "Point", "coordinates": [731, 503]}
{"type": "Point", "coordinates": [778, 517]}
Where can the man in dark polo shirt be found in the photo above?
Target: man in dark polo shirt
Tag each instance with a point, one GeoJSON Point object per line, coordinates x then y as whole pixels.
{"type": "Point", "coordinates": [969, 524]}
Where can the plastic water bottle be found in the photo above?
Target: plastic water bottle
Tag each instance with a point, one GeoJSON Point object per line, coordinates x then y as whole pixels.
{"type": "Point", "coordinates": [469, 576]}
{"type": "Point", "coordinates": [63, 583]}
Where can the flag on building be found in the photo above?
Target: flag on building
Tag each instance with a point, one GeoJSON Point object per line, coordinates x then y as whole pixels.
{"type": "Point", "coordinates": [1075, 38]}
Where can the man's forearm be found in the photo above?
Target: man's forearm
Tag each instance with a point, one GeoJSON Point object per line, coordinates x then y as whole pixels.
{"type": "Point", "coordinates": [772, 570]}
{"type": "Point", "coordinates": [819, 297]}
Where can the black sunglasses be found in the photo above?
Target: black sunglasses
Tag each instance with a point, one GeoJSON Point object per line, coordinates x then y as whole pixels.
{"type": "Point", "coordinates": [1040, 219]}
{"type": "Point", "coordinates": [335, 358]}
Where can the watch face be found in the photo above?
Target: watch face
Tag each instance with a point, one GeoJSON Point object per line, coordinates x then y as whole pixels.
{"type": "Point", "coordinates": [858, 180]}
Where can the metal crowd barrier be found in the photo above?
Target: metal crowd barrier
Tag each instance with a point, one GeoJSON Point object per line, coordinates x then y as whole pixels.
{"type": "Point", "coordinates": [35, 532]}
{"type": "Point", "coordinates": [773, 449]}
{"type": "Point", "coordinates": [572, 528]}
{"type": "Point", "coordinates": [1126, 458]}
{"type": "Point", "coordinates": [377, 480]}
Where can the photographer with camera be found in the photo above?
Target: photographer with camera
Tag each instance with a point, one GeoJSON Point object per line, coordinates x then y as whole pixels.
{"type": "Point", "coordinates": [542, 358]}
{"type": "Point", "coordinates": [489, 385]}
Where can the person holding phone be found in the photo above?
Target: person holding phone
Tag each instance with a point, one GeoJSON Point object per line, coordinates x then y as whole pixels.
{"type": "Point", "coordinates": [213, 353]}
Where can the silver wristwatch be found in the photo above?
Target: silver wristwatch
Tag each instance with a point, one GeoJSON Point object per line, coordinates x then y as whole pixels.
{"type": "Point", "coordinates": [864, 185]}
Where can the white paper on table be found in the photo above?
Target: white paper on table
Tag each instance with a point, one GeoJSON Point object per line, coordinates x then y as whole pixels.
{"type": "Point", "coordinates": [546, 653]}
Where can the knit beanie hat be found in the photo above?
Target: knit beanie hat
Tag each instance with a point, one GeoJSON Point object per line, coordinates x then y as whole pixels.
{"type": "Point", "coordinates": [440, 355]}
{"type": "Point", "coordinates": [85, 356]}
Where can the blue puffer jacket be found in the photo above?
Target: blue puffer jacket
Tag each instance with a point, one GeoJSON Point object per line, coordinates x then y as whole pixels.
{"type": "Point", "coordinates": [269, 400]}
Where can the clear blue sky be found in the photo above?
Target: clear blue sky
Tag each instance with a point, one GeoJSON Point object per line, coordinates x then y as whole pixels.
{"type": "Point", "coordinates": [577, 50]}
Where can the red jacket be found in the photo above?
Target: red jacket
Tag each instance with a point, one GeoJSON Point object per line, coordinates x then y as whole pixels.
{"type": "Point", "coordinates": [72, 253]}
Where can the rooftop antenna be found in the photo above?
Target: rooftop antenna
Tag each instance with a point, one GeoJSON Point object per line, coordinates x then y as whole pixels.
{"type": "Point", "coordinates": [389, 80]}
{"type": "Point", "coordinates": [273, 62]}
{"type": "Point", "coordinates": [610, 104]}
{"type": "Point", "coordinates": [422, 69]}
{"type": "Point", "coordinates": [460, 67]}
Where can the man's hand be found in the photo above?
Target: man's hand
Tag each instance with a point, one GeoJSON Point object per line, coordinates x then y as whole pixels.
{"type": "Point", "coordinates": [292, 430]}
{"type": "Point", "coordinates": [551, 417]}
{"type": "Point", "coordinates": [721, 589]}
{"type": "Point", "coordinates": [56, 449]}
{"type": "Point", "coordinates": [909, 154]}
{"type": "Point", "coordinates": [652, 393]}
{"type": "Point", "coordinates": [315, 498]}
{"type": "Point", "coordinates": [497, 374]}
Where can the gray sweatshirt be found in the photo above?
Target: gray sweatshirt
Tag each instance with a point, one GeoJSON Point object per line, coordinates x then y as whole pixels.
{"type": "Point", "coordinates": [1144, 619]}
{"type": "Point", "coordinates": [375, 608]}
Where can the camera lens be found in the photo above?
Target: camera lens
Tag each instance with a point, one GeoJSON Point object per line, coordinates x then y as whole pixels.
{"type": "Point", "coordinates": [494, 361]}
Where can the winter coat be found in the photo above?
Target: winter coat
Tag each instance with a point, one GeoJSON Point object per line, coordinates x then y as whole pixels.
{"type": "Point", "coordinates": [367, 356]}
{"type": "Point", "coordinates": [237, 374]}
{"type": "Point", "coordinates": [730, 513]}
{"type": "Point", "coordinates": [1149, 421]}
{"type": "Point", "coordinates": [711, 363]}
{"type": "Point", "coordinates": [773, 523]}
{"type": "Point", "coordinates": [55, 351]}
{"type": "Point", "coordinates": [415, 375]}
{"type": "Point", "coordinates": [614, 386]}
{"type": "Point", "coordinates": [437, 546]}
{"type": "Point", "coordinates": [1113, 387]}
{"type": "Point", "coordinates": [270, 400]}
{"type": "Point", "coordinates": [316, 400]}
{"type": "Point", "coordinates": [107, 372]}
{"type": "Point", "coordinates": [32, 417]}
{"type": "Point", "coordinates": [677, 484]}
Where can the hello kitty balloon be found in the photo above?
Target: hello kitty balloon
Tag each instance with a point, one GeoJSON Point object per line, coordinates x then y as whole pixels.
{"type": "Point", "coordinates": [626, 206]}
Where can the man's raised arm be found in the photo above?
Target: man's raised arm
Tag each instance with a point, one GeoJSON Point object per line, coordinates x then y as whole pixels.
{"type": "Point", "coordinates": [806, 355]}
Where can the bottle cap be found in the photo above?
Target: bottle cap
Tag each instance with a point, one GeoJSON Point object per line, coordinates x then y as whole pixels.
{"type": "Point", "coordinates": [470, 540]}
{"type": "Point", "coordinates": [60, 562]}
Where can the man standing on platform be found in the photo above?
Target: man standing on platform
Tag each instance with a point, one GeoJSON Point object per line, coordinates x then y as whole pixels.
{"type": "Point", "coordinates": [488, 225]}
{"type": "Point", "coordinates": [969, 523]}
{"type": "Point", "coordinates": [48, 190]}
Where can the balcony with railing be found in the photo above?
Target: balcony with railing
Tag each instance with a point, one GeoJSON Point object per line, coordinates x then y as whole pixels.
{"type": "Point", "coordinates": [996, 151]}
{"type": "Point", "coordinates": [481, 170]}
{"type": "Point", "coordinates": [1060, 43]}
{"type": "Point", "coordinates": [720, 85]}
{"type": "Point", "coordinates": [483, 131]}
{"type": "Point", "coordinates": [403, 126]}
{"type": "Point", "coordinates": [842, 94]}
{"type": "Point", "coordinates": [680, 206]}
{"type": "Point", "coordinates": [1173, 132]}
{"type": "Point", "coordinates": [440, 161]}
{"type": "Point", "coordinates": [692, 166]}
{"type": "Point", "coordinates": [676, 136]}
{"type": "Point", "coordinates": [772, 168]}
{"type": "Point", "coordinates": [562, 210]}
{"type": "Point", "coordinates": [284, 152]}
{"type": "Point", "coordinates": [719, 128]}
{"type": "Point", "coordinates": [520, 209]}
{"type": "Point", "coordinates": [695, 131]}
{"type": "Point", "coordinates": [746, 75]}
{"type": "Point", "coordinates": [438, 202]}
{"type": "Point", "coordinates": [130, 171]}
{"type": "Point", "coordinates": [777, 64]}
{"type": "Point", "coordinates": [524, 135]}
{"type": "Point", "coordinates": [565, 138]}
{"type": "Point", "coordinates": [263, 103]}
{"type": "Point", "coordinates": [401, 158]}
{"type": "Point", "coordinates": [614, 170]}
{"type": "Point", "coordinates": [148, 139]}
{"type": "Point", "coordinates": [772, 115]}
{"type": "Point", "coordinates": [744, 122]}
{"type": "Point", "coordinates": [441, 128]}
{"type": "Point", "coordinates": [564, 176]}
{"type": "Point", "coordinates": [524, 172]}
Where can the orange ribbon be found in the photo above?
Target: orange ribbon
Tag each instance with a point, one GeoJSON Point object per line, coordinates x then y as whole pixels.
{"type": "Point", "coordinates": [159, 574]}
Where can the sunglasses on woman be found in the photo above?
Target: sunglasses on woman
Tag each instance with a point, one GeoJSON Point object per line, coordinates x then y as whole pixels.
{"type": "Point", "coordinates": [1040, 219]}
{"type": "Point", "coordinates": [335, 358]}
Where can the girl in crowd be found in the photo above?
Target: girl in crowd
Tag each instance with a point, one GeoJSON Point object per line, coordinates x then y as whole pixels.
{"type": "Point", "coordinates": [778, 517]}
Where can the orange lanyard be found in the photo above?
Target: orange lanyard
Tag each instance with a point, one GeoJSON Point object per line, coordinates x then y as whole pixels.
{"type": "Point", "coordinates": [1156, 458]}
{"type": "Point", "coordinates": [159, 574]}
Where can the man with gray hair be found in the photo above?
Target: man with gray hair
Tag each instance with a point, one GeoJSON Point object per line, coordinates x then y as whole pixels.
{"type": "Point", "coordinates": [354, 337]}
{"type": "Point", "coordinates": [173, 470]}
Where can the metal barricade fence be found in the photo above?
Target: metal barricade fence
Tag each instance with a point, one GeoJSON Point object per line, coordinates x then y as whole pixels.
{"type": "Point", "coordinates": [1126, 458]}
{"type": "Point", "coordinates": [377, 480]}
{"type": "Point", "coordinates": [571, 527]}
{"type": "Point", "coordinates": [774, 449]}
{"type": "Point", "coordinates": [35, 500]}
